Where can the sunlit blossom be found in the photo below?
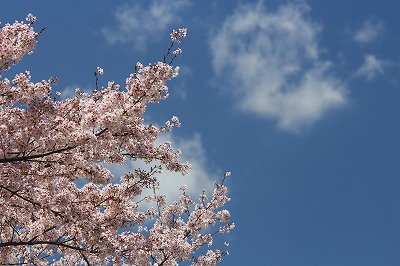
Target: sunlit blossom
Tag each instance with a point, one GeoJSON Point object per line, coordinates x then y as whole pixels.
{"type": "Point", "coordinates": [48, 146]}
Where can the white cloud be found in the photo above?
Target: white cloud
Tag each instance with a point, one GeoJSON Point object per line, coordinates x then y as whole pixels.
{"type": "Point", "coordinates": [136, 24]}
{"type": "Point", "coordinates": [199, 178]}
{"type": "Point", "coordinates": [369, 31]}
{"type": "Point", "coordinates": [272, 60]}
{"type": "Point", "coordinates": [68, 92]}
{"type": "Point", "coordinates": [371, 67]}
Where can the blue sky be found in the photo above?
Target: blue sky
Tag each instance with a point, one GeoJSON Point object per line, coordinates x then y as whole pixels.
{"type": "Point", "coordinates": [299, 99]}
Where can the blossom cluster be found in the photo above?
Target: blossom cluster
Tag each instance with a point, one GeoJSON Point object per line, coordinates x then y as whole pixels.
{"type": "Point", "coordinates": [15, 41]}
{"type": "Point", "coordinates": [46, 145]}
{"type": "Point", "coordinates": [30, 18]}
{"type": "Point", "coordinates": [176, 35]}
{"type": "Point", "coordinates": [100, 71]}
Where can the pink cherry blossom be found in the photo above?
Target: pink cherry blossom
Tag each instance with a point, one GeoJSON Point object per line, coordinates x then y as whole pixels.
{"type": "Point", "coordinates": [177, 51]}
{"type": "Point", "coordinates": [47, 145]}
{"type": "Point", "coordinates": [176, 35]}
{"type": "Point", "coordinates": [15, 41]}
{"type": "Point", "coordinates": [30, 18]}
{"type": "Point", "coordinates": [100, 71]}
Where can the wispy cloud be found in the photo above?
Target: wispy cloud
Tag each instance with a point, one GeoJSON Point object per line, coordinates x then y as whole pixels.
{"type": "Point", "coordinates": [199, 178]}
{"type": "Point", "coordinates": [68, 92]}
{"type": "Point", "coordinates": [136, 23]}
{"type": "Point", "coordinates": [369, 31]}
{"type": "Point", "coordinates": [371, 67]}
{"type": "Point", "coordinates": [272, 60]}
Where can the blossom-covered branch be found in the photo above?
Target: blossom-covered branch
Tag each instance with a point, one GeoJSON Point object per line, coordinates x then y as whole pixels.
{"type": "Point", "coordinates": [46, 145]}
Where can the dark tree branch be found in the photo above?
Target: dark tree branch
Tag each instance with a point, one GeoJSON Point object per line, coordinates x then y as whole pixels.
{"type": "Point", "coordinates": [38, 242]}
{"type": "Point", "coordinates": [30, 157]}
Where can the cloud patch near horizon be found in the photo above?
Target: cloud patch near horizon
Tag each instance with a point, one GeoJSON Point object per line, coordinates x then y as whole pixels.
{"type": "Point", "coordinates": [137, 24]}
{"type": "Point", "coordinates": [273, 63]}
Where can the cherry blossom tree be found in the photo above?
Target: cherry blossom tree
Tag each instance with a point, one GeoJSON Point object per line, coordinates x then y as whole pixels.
{"type": "Point", "coordinates": [47, 144]}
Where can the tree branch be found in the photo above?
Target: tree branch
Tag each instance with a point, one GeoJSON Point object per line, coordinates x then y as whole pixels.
{"type": "Point", "coordinates": [39, 242]}
{"type": "Point", "coordinates": [30, 157]}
